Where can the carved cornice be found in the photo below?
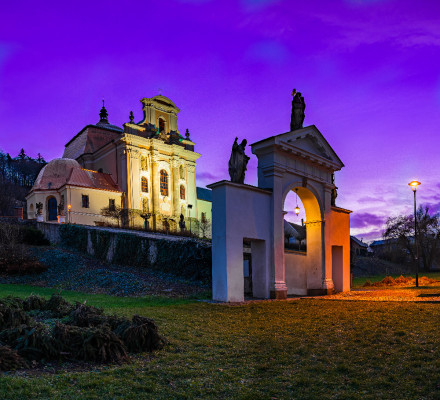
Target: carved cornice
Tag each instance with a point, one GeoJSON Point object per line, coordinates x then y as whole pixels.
{"type": "Point", "coordinates": [161, 103]}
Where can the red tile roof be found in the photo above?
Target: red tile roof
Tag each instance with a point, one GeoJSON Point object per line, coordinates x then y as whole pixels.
{"type": "Point", "coordinates": [65, 171]}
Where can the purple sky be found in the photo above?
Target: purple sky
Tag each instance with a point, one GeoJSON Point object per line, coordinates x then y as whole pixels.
{"type": "Point", "coordinates": [369, 71]}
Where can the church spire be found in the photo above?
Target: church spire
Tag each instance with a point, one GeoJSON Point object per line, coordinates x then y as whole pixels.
{"type": "Point", "coordinates": [103, 115]}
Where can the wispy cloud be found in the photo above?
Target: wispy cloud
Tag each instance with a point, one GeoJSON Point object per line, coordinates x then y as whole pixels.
{"type": "Point", "coordinates": [268, 51]}
{"type": "Point", "coordinates": [207, 176]}
{"type": "Point", "coordinates": [370, 199]}
{"type": "Point", "coordinates": [368, 235]}
{"type": "Point", "coordinates": [364, 2]}
{"type": "Point", "coordinates": [363, 220]}
{"type": "Point", "coordinates": [258, 5]}
{"type": "Point", "coordinates": [400, 32]}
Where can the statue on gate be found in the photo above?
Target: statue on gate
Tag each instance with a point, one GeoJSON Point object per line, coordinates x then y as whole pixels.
{"type": "Point", "coordinates": [238, 161]}
{"type": "Point", "coordinates": [298, 107]}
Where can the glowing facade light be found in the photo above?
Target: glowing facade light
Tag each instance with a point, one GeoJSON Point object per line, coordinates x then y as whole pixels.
{"type": "Point", "coordinates": [296, 208]}
{"type": "Point", "coordinates": [414, 185]}
{"type": "Point", "coordinates": [69, 206]}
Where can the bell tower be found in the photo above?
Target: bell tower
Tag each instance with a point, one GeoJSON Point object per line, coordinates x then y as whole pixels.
{"type": "Point", "coordinates": [160, 112]}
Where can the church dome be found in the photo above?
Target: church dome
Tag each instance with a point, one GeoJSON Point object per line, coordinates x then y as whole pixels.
{"type": "Point", "coordinates": [55, 174]}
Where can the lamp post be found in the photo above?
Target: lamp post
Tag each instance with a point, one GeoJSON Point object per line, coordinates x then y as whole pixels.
{"type": "Point", "coordinates": [69, 207]}
{"type": "Point", "coordinates": [414, 185]}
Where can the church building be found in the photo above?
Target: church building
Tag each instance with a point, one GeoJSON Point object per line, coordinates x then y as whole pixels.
{"type": "Point", "coordinates": [146, 168]}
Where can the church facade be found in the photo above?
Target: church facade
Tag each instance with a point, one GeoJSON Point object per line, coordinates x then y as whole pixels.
{"type": "Point", "coordinates": [151, 167]}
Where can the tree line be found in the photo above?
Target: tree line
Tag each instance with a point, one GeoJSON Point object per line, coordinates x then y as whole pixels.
{"type": "Point", "coordinates": [17, 176]}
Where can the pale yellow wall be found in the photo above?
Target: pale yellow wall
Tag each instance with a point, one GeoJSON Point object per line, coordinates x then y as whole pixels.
{"type": "Point", "coordinates": [98, 199]}
{"type": "Point", "coordinates": [159, 156]}
{"type": "Point", "coordinates": [337, 233]}
{"type": "Point", "coordinates": [40, 197]}
{"type": "Point", "coordinates": [204, 206]}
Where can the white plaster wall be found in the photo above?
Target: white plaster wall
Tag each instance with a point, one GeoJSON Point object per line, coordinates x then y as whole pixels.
{"type": "Point", "coordinates": [296, 273]}
{"type": "Point", "coordinates": [238, 212]}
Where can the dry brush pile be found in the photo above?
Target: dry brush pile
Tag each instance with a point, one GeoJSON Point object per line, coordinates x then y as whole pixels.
{"type": "Point", "coordinates": [400, 281]}
{"type": "Point", "coordinates": [36, 330]}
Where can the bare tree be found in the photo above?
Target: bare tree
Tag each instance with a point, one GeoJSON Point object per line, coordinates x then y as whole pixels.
{"type": "Point", "coordinates": [400, 232]}
{"type": "Point", "coordinates": [204, 225]}
{"type": "Point", "coordinates": [114, 213]}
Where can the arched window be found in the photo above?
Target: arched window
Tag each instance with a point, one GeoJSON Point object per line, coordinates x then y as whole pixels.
{"type": "Point", "coordinates": [144, 184]}
{"type": "Point", "coordinates": [161, 124]}
{"type": "Point", "coordinates": [181, 172]}
{"type": "Point", "coordinates": [182, 192]}
{"type": "Point", "coordinates": [163, 182]}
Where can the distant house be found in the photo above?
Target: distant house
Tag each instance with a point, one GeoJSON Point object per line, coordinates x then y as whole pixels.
{"type": "Point", "coordinates": [380, 247]}
{"type": "Point", "coordinates": [358, 247]}
{"type": "Point", "coordinates": [295, 236]}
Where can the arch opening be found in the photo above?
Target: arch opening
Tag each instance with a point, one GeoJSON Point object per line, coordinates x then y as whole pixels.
{"type": "Point", "coordinates": [52, 209]}
{"type": "Point", "coordinates": [300, 260]}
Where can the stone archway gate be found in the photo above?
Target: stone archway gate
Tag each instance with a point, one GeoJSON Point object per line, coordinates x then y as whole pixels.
{"type": "Point", "coordinates": [300, 159]}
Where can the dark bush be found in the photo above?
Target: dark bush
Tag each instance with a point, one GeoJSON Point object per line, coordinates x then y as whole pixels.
{"type": "Point", "coordinates": [14, 302]}
{"type": "Point", "coordinates": [10, 335]}
{"type": "Point", "coordinates": [10, 360]}
{"type": "Point", "coordinates": [12, 317]}
{"type": "Point", "coordinates": [58, 306]}
{"type": "Point", "coordinates": [37, 343]}
{"type": "Point", "coordinates": [33, 237]}
{"type": "Point", "coordinates": [141, 335]}
{"type": "Point", "coordinates": [31, 328]}
{"type": "Point", "coordinates": [26, 267]}
{"type": "Point", "coordinates": [34, 302]}
{"type": "Point", "coordinates": [90, 344]}
{"type": "Point", "coordinates": [86, 316]}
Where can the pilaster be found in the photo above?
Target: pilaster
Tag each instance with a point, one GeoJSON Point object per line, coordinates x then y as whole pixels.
{"type": "Point", "coordinates": [175, 185]}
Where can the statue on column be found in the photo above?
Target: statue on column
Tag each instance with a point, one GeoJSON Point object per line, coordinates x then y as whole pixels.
{"type": "Point", "coordinates": [334, 192]}
{"type": "Point", "coordinates": [238, 161]}
{"type": "Point", "coordinates": [182, 223]}
{"type": "Point", "coordinates": [298, 108]}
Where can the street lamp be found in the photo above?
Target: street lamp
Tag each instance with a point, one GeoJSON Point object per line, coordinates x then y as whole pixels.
{"type": "Point", "coordinates": [414, 185]}
{"type": "Point", "coordinates": [69, 207]}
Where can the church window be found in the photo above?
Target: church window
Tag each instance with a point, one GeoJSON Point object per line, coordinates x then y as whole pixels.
{"type": "Point", "coordinates": [163, 183]}
{"type": "Point", "coordinates": [85, 201]}
{"type": "Point", "coordinates": [181, 172]}
{"type": "Point", "coordinates": [111, 205]}
{"type": "Point", "coordinates": [144, 184]}
{"type": "Point", "coordinates": [161, 124]}
{"type": "Point", "coordinates": [182, 192]}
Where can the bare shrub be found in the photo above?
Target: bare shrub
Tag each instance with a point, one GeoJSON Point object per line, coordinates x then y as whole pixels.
{"type": "Point", "coordinates": [12, 251]}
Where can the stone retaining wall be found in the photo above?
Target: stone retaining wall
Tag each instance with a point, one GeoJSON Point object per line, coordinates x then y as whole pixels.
{"type": "Point", "coordinates": [181, 256]}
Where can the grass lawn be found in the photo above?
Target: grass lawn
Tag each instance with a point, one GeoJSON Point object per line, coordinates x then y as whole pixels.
{"type": "Point", "coordinates": [299, 349]}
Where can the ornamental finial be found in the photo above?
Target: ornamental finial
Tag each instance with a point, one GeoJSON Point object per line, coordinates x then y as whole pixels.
{"type": "Point", "coordinates": [103, 114]}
